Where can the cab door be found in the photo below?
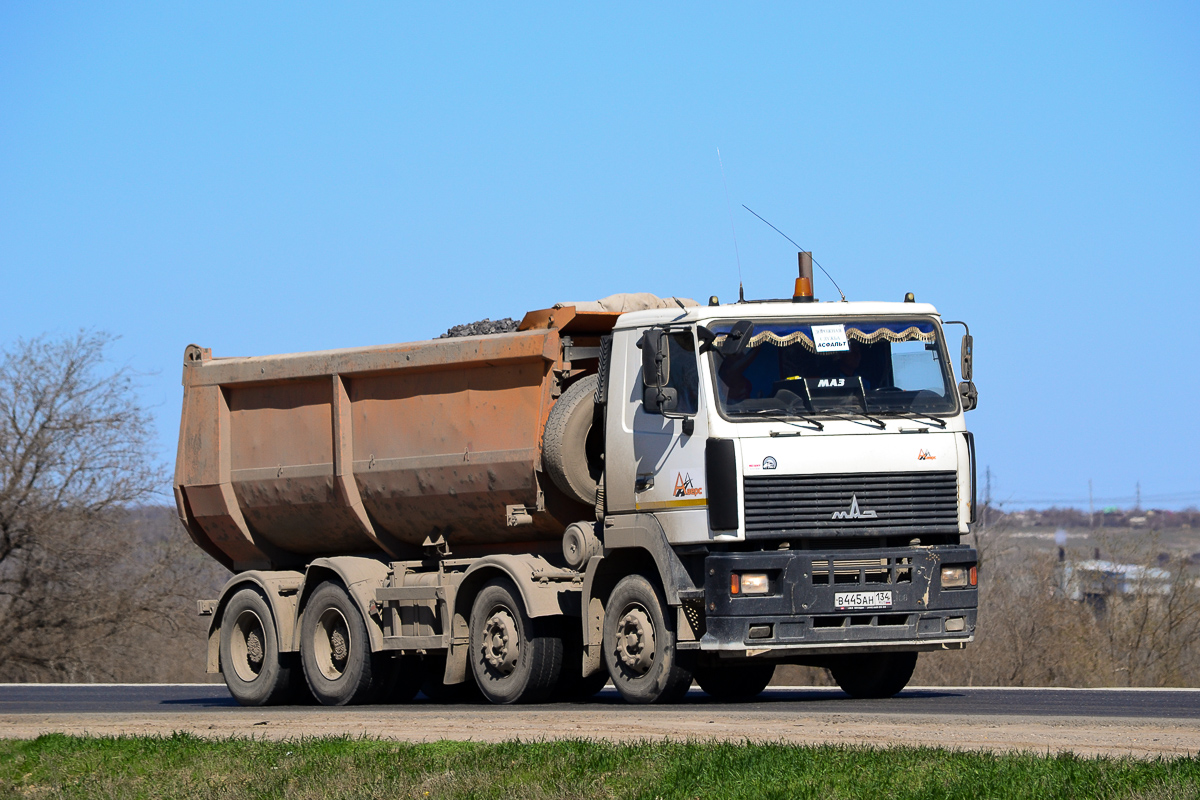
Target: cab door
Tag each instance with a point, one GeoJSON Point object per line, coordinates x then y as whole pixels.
{"type": "Point", "coordinates": [668, 446]}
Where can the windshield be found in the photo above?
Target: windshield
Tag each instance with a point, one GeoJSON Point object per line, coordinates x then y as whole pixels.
{"type": "Point", "coordinates": [835, 367]}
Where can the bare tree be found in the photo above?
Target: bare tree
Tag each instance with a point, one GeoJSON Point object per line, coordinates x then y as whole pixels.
{"type": "Point", "coordinates": [78, 578]}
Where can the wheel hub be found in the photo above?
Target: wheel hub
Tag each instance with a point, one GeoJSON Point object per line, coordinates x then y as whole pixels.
{"type": "Point", "coordinates": [248, 646]}
{"type": "Point", "coordinates": [500, 648]}
{"type": "Point", "coordinates": [337, 643]}
{"type": "Point", "coordinates": [254, 649]}
{"type": "Point", "coordinates": [332, 644]}
{"type": "Point", "coordinates": [635, 640]}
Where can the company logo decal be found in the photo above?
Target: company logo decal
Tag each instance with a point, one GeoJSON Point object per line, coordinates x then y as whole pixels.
{"type": "Point", "coordinates": [684, 487]}
{"type": "Point", "coordinates": [770, 463]}
{"type": "Point", "coordinates": [925, 455]}
{"type": "Point", "coordinates": [855, 512]}
{"type": "Point", "coordinates": [827, 382]}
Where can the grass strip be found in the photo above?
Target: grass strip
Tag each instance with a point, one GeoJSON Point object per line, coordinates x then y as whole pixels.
{"type": "Point", "coordinates": [190, 768]}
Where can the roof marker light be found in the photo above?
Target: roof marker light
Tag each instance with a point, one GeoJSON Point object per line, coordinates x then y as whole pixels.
{"type": "Point", "coordinates": [804, 284]}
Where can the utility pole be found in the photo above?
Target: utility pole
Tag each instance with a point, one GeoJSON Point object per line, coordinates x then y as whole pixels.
{"type": "Point", "coordinates": [1091, 507]}
{"type": "Point", "coordinates": [1138, 507]}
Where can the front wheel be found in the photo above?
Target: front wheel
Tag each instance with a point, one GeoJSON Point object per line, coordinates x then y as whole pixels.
{"type": "Point", "coordinates": [734, 683]}
{"type": "Point", "coordinates": [513, 658]}
{"type": "Point", "coordinates": [873, 675]}
{"type": "Point", "coordinates": [336, 650]}
{"type": "Point", "coordinates": [639, 645]}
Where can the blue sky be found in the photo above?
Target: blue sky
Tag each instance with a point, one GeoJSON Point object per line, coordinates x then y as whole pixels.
{"type": "Point", "coordinates": [293, 177]}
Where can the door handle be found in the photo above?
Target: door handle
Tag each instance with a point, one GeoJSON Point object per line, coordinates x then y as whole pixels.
{"type": "Point", "coordinates": [643, 483]}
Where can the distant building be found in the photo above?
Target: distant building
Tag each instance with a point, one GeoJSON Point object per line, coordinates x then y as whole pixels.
{"type": "Point", "coordinates": [1094, 579]}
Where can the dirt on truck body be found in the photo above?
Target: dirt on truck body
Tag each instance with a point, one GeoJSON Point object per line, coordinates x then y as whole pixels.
{"type": "Point", "coordinates": [532, 512]}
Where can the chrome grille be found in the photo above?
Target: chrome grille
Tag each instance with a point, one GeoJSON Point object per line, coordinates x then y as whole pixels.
{"type": "Point", "coordinates": [879, 503]}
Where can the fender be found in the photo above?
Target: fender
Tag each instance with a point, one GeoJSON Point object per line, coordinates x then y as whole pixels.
{"type": "Point", "coordinates": [643, 532]}
{"type": "Point", "coordinates": [280, 588]}
{"type": "Point", "coordinates": [361, 576]}
{"type": "Point", "coordinates": [546, 590]}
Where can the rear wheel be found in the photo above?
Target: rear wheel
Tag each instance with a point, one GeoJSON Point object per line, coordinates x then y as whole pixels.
{"type": "Point", "coordinates": [513, 657]}
{"type": "Point", "coordinates": [874, 675]}
{"type": "Point", "coordinates": [734, 683]}
{"type": "Point", "coordinates": [639, 645]}
{"type": "Point", "coordinates": [336, 650]}
{"type": "Point", "coordinates": [254, 670]}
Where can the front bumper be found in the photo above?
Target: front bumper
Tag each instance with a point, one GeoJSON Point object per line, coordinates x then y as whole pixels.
{"type": "Point", "coordinates": [800, 613]}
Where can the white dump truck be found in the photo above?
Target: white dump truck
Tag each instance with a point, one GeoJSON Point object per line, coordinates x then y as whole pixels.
{"type": "Point", "coordinates": [646, 491]}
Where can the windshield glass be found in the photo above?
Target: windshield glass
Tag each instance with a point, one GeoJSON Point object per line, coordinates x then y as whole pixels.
{"type": "Point", "coordinates": [882, 367]}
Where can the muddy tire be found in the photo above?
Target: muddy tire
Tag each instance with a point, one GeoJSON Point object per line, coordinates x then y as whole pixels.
{"type": "Point", "coordinates": [256, 673]}
{"type": "Point", "coordinates": [514, 658]}
{"type": "Point", "coordinates": [639, 644]}
{"type": "Point", "coordinates": [734, 683]}
{"type": "Point", "coordinates": [336, 650]}
{"type": "Point", "coordinates": [571, 444]}
{"type": "Point", "coordinates": [874, 675]}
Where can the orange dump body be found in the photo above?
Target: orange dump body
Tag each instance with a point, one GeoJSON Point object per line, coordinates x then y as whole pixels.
{"type": "Point", "coordinates": [377, 450]}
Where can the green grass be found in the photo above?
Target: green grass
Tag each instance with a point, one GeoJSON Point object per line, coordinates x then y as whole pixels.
{"type": "Point", "coordinates": [190, 768]}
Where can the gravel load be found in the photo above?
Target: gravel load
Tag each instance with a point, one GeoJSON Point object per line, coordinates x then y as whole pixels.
{"type": "Point", "coordinates": [483, 327]}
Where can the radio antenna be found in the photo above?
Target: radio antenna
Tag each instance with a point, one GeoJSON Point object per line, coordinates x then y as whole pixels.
{"type": "Point", "coordinates": [798, 247]}
{"type": "Point", "coordinates": [729, 205]}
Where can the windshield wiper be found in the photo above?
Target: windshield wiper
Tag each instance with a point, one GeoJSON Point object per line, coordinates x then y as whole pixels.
{"type": "Point", "coordinates": [773, 414]}
{"type": "Point", "coordinates": [862, 388]}
{"type": "Point", "coordinates": [852, 417]}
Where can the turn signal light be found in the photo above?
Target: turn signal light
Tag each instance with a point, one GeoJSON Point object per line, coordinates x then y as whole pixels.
{"type": "Point", "coordinates": [974, 576]}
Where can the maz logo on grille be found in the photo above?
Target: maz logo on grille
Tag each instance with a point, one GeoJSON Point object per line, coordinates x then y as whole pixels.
{"type": "Point", "coordinates": [855, 512]}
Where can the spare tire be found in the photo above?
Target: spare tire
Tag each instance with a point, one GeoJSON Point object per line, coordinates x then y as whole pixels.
{"type": "Point", "coordinates": [572, 446]}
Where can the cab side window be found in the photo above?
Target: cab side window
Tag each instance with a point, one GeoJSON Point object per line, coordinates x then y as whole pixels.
{"type": "Point", "coordinates": [684, 377]}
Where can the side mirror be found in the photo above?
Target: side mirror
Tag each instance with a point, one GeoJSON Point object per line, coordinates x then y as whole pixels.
{"type": "Point", "coordinates": [660, 399]}
{"type": "Point", "coordinates": [656, 358]}
{"type": "Point", "coordinates": [737, 338]}
{"type": "Point", "coordinates": [969, 395]}
{"type": "Point", "coordinates": [968, 346]}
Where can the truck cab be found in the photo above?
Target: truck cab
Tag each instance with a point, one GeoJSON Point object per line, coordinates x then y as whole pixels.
{"type": "Point", "coordinates": [808, 466]}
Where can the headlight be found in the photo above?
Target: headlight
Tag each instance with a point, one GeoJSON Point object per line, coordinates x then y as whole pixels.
{"type": "Point", "coordinates": [957, 577]}
{"type": "Point", "coordinates": [749, 583]}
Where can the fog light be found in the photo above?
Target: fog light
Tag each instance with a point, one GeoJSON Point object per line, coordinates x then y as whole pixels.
{"type": "Point", "coordinates": [956, 625]}
{"type": "Point", "coordinates": [754, 583]}
{"type": "Point", "coordinates": [954, 577]}
{"type": "Point", "coordinates": [761, 631]}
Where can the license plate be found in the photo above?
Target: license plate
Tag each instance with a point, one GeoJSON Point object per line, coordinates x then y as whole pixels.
{"type": "Point", "coordinates": [848, 600]}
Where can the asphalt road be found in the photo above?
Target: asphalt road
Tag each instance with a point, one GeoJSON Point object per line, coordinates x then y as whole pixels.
{"type": "Point", "coordinates": [950, 702]}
